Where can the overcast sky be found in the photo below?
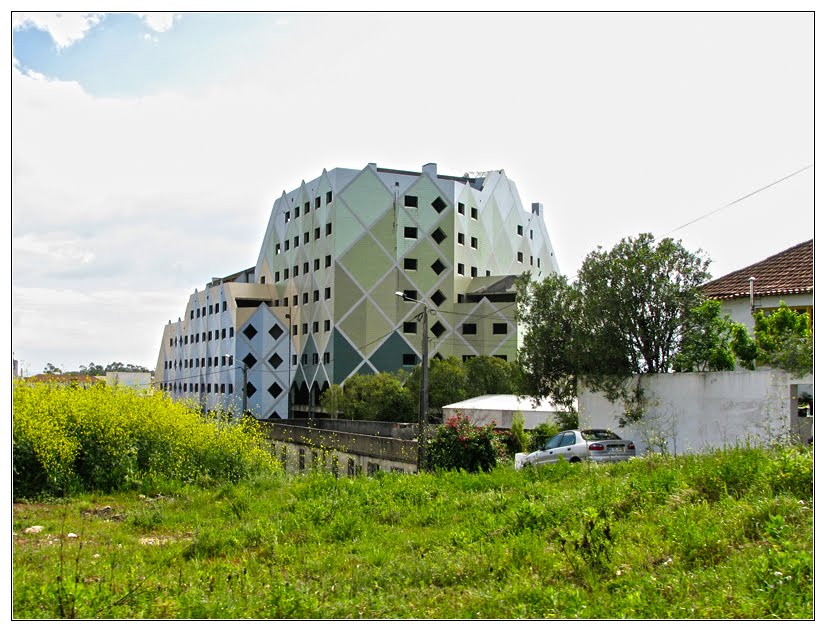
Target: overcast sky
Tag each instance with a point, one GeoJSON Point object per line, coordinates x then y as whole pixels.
{"type": "Point", "coordinates": [147, 150]}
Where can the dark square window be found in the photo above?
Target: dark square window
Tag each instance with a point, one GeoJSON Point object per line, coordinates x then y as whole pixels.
{"type": "Point", "coordinates": [500, 328]}
{"type": "Point", "coordinates": [307, 237]}
{"type": "Point", "coordinates": [286, 217]}
{"type": "Point", "coordinates": [326, 325]}
{"type": "Point", "coordinates": [531, 233]}
{"type": "Point", "coordinates": [474, 243]}
{"type": "Point", "coordinates": [329, 197]}
{"type": "Point", "coordinates": [437, 266]}
{"type": "Point", "coordinates": [317, 233]}
{"type": "Point", "coordinates": [277, 276]}
{"type": "Point", "coordinates": [409, 327]}
{"type": "Point", "coordinates": [303, 358]}
{"type": "Point", "coordinates": [275, 390]}
{"type": "Point", "coordinates": [286, 244]}
{"type": "Point", "coordinates": [531, 259]}
{"type": "Point", "coordinates": [473, 272]}
{"type": "Point", "coordinates": [326, 293]}
{"type": "Point", "coordinates": [223, 334]}
{"type": "Point", "coordinates": [306, 207]}
{"type": "Point", "coordinates": [411, 201]}
{"type": "Point", "coordinates": [231, 334]}
{"type": "Point", "coordinates": [437, 297]}
{"type": "Point", "coordinates": [295, 241]}
{"type": "Point", "coordinates": [438, 205]}
{"type": "Point", "coordinates": [250, 331]}
{"type": "Point", "coordinates": [315, 296]}
{"type": "Point", "coordinates": [538, 263]}
{"type": "Point", "coordinates": [295, 270]}
{"type": "Point", "coordinates": [297, 211]}
{"type": "Point", "coordinates": [316, 264]}
{"type": "Point", "coordinates": [519, 257]}
{"type": "Point", "coordinates": [473, 213]}
{"type": "Point", "coordinates": [328, 229]}
{"type": "Point", "coordinates": [460, 268]}
{"type": "Point", "coordinates": [460, 298]}
{"type": "Point", "coordinates": [251, 390]}
{"type": "Point", "coordinates": [191, 314]}
{"type": "Point", "coordinates": [286, 273]}
{"type": "Point", "coordinates": [326, 357]}
{"type": "Point", "coordinates": [304, 328]}
{"type": "Point", "coordinates": [295, 359]}
{"type": "Point", "coordinates": [305, 298]}
{"type": "Point", "coordinates": [295, 330]}
{"type": "Point", "coordinates": [306, 267]}
{"type": "Point", "coordinates": [275, 360]}
{"type": "Point", "coordinates": [278, 248]}
{"type": "Point", "coordinates": [249, 360]}
{"type": "Point", "coordinates": [224, 306]}
{"type": "Point", "coordinates": [461, 208]}
{"type": "Point", "coordinates": [411, 232]}
{"type": "Point", "coordinates": [438, 329]}
{"type": "Point", "coordinates": [519, 229]}
{"type": "Point", "coordinates": [315, 326]}
{"type": "Point", "coordinates": [276, 331]}
{"type": "Point", "coordinates": [318, 202]}
{"type": "Point", "coordinates": [411, 264]}
{"type": "Point", "coordinates": [469, 328]}
{"type": "Point", "coordinates": [438, 235]}
{"type": "Point", "coordinates": [460, 237]}
{"type": "Point", "coordinates": [411, 294]}
{"type": "Point", "coordinates": [328, 261]}
{"type": "Point", "coordinates": [295, 300]}
{"type": "Point", "coordinates": [315, 358]}
{"type": "Point", "coordinates": [409, 359]}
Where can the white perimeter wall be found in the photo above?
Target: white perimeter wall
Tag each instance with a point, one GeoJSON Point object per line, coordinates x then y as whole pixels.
{"type": "Point", "coordinates": [692, 412]}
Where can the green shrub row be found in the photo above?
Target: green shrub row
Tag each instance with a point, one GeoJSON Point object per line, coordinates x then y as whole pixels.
{"type": "Point", "coordinates": [72, 439]}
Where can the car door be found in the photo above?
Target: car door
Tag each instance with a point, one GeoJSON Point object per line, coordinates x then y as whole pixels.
{"type": "Point", "coordinates": [546, 455]}
{"type": "Point", "coordinates": [565, 450]}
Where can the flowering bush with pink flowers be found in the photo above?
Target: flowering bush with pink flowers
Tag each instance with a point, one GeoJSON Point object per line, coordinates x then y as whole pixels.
{"type": "Point", "coordinates": [460, 445]}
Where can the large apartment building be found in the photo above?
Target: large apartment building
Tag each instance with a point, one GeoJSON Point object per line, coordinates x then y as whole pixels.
{"type": "Point", "coordinates": [321, 302]}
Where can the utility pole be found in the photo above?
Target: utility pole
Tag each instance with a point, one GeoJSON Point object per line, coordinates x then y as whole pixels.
{"type": "Point", "coordinates": [423, 405]}
{"type": "Point", "coordinates": [244, 388]}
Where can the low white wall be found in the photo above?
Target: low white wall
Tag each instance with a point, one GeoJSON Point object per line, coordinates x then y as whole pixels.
{"type": "Point", "coordinates": [502, 418]}
{"type": "Point", "coordinates": [692, 412]}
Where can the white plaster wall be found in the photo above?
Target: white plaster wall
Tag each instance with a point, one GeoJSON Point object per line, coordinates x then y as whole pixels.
{"type": "Point", "coordinates": [692, 412]}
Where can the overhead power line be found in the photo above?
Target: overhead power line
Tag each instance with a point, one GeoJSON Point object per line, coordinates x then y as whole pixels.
{"type": "Point", "coordinates": [755, 192]}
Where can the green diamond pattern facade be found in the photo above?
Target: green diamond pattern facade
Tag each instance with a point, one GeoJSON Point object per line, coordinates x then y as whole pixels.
{"type": "Point", "coordinates": [335, 252]}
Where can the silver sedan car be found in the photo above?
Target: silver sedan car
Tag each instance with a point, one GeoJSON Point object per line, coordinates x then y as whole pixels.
{"type": "Point", "coordinates": [595, 445]}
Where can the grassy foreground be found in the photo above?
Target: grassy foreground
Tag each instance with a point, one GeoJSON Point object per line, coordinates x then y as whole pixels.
{"type": "Point", "coordinates": [725, 535]}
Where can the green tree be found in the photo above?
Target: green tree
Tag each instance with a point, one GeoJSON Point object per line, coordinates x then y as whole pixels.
{"type": "Point", "coordinates": [784, 340]}
{"type": "Point", "coordinates": [51, 369]}
{"type": "Point", "coordinates": [486, 375]}
{"type": "Point", "coordinates": [520, 439]}
{"type": "Point", "coordinates": [335, 401]}
{"type": "Point", "coordinates": [92, 369]}
{"type": "Point", "coordinates": [549, 312]}
{"type": "Point", "coordinates": [447, 384]}
{"type": "Point", "coordinates": [378, 397]}
{"type": "Point", "coordinates": [712, 342]}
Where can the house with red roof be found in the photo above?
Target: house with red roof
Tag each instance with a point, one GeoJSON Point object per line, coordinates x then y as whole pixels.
{"type": "Point", "coordinates": [787, 276]}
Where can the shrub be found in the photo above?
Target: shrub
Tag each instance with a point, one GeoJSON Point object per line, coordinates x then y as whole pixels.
{"type": "Point", "coordinates": [71, 439]}
{"type": "Point", "coordinates": [541, 434]}
{"type": "Point", "coordinates": [519, 438]}
{"type": "Point", "coordinates": [460, 445]}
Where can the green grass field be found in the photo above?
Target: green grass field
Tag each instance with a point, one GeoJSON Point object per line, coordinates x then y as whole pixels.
{"type": "Point", "coordinates": [725, 535]}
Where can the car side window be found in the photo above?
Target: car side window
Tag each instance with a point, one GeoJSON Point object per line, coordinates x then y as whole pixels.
{"type": "Point", "coordinates": [568, 439]}
{"type": "Point", "coordinates": [553, 442]}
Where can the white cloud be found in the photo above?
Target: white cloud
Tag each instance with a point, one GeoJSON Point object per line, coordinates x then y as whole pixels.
{"type": "Point", "coordinates": [64, 28]}
{"type": "Point", "coordinates": [158, 21]}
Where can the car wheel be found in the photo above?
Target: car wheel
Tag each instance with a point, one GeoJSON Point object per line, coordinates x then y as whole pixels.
{"type": "Point", "coordinates": [575, 459]}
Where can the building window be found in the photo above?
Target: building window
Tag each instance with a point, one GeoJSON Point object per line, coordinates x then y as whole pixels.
{"type": "Point", "coordinates": [411, 232]}
{"type": "Point", "coordinates": [317, 233]}
{"type": "Point", "coordinates": [532, 233]}
{"type": "Point", "coordinates": [300, 458]}
{"type": "Point", "coordinates": [326, 357]}
{"type": "Point", "coordinates": [278, 248]}
{"type": "Point", "coordinates": [474, 243]}
{"type": "Point", "coordinates": [328, 261]}
{"type": "Point", "coordinates": [461, 208]}
{"type": "Point", "coordinates": [231, 334]}
{"type": "Point", "coordinates": [531, 259]}
{"type": "Point", "coordinates": [306, 267]}
{"type": "Point", "coordinates": [538, 263]}
{"type": "Point", "coordinates": [411, 294]}
{"type": "Point", "coordinates": [223, 334]}
{"type": "Point", "coordinates": [277, 277]}
{"type": "Point", "coordinates": [315, 296]}
{"type": "Point", "coordinates": [295, 360]}
{"type": "Point", "coordinates": [473, 213]}
{"type": "Point", "coordinates": [519, 257]}
{"type": "Point", "coordinates": [328, 229]}
{"type": "Point", "coordinates": [469, 329]}
{"type": "Point", "coordinates": [305, 298]}
{"type": "Point", "coordinates": [411, 264]}
{"type": "Point", "coordinates": [192, 314]}
{"type": "Point", "coordinates": [438, 235]}
{"type": "Point", "coordinates": [304, 328]}
{"type": "Point", "coordinates": [297, 211]}
{"type": "Point", "coordinates": [295, 300]}
{"type": "Point", "coordinates": [316, 264]}
{"type": "Point", "coordinates": [409, 327]}
{"type": "Point", "coordinates": [461, 269]}
{"type": "Point", "coordinates": [295, 330]}
{"type": "Point", "coordinates": [438, 205]}
{"type": "Point", "coordinates": [307, 237]}
{"type": "Point", "coordinates": [519, 230]}
{"type": "Point", "coordinates": [409, 359]}
{"type": "Point", "coordinates": [303, 358]}
{"type": "Point", "coordinates": [286, 244]}
{"type": "Point", "coordinates": [295, 270]}
{"type": "Point", "coordinates": [473, 272]}
{"type": "Point", "coordinates": [411, 201]}
{"type": "Point", "coordinates": [306, 207]}
{"type": "Point", "coordinates": [460, 237]}
{"type": "Point", "coordinates": [327, 325]}
{"type": "Point", "coordinates": [286, 273]}
{"type": "Point", "coordinates": [460, 298]}
{"type": "Point", "coordinates": [315, 358]}
{"type": "Point", "coordinates": [437, 266]}
{"type": "Point", "coordinates": [295, 241]}
{"type": "Point", "coordinates": [318, 202]}
{"type": "Point", "coordinates": [329, 197]}
{"type": "Point", "coordinates": [500, 328]}
{"type": "Point", "coordinates": [326, 293]}
{"type": "Point", "coordinates": [315, 326]}
{"type": "Point", "coordinates": [286, 217]}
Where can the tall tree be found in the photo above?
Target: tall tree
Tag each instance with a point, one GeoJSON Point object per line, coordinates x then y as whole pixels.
{"type": "Point", "coordinates": [712, 341]}
{"type": "Point", "coordinates": [486, 374]}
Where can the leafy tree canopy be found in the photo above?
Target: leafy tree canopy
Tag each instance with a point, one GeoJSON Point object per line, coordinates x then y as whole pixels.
{"type": "Point", "coordinates": [784, 340]}
{"type": "Point", "coordinates": [713, 342]}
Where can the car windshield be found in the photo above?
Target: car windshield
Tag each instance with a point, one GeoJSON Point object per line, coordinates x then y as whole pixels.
{"type": "Point", "coordinates": [598, 435]}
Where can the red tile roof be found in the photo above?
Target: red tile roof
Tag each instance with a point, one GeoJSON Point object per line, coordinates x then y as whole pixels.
{"type": "Point", "coordinates": [788, 272]}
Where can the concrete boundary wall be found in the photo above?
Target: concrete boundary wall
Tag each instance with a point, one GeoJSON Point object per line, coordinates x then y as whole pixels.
{"type": "Point", "coordinates": [694, 412]}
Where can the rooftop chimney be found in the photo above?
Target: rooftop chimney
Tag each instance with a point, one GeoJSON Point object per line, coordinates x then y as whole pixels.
{"type": "Point", "coordinates": [430, 169]}
{"type": "Point", "coordinates": [536, 208]}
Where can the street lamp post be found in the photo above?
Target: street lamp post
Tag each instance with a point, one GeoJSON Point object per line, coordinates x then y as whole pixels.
{"type": "Point", "coordinates": [423, 404]}
{"type": "Point", "coordinates": [289, 362]}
